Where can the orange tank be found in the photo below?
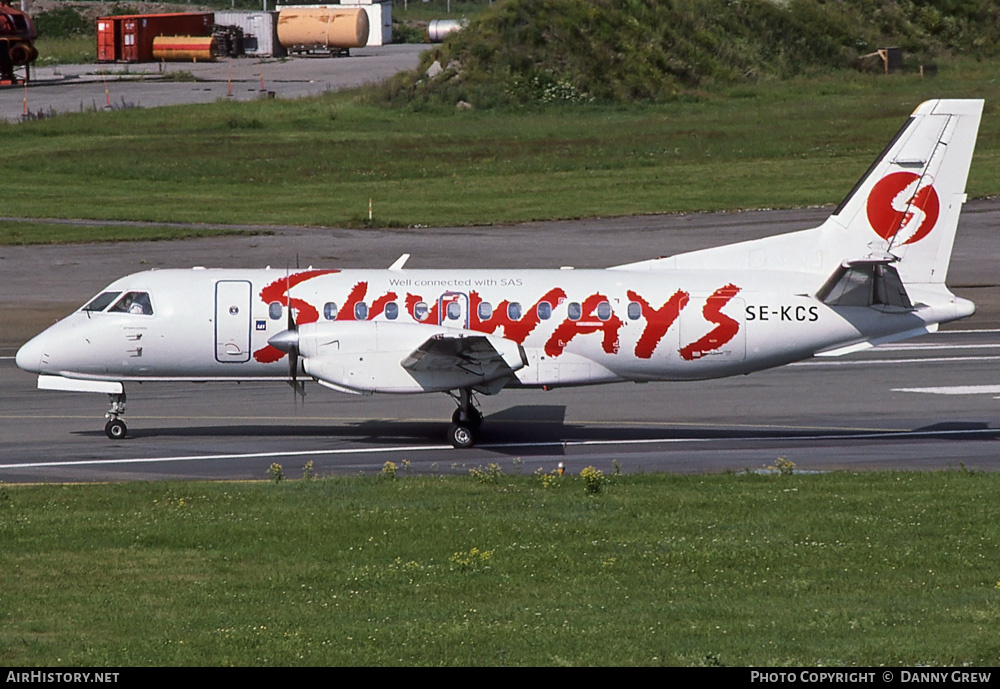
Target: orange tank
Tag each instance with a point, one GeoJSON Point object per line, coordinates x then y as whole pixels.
{"type": "Point", "coordinates": [184, 48]}
{"type": "Point", "coordinates": [323, 28]}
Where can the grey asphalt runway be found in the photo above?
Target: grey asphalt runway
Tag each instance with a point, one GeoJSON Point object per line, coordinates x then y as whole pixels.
{"type": "Point", "coordinates": [928, 403]}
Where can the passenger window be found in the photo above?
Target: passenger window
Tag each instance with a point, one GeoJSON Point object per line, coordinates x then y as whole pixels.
{"type": "Point", "coordinates": [544, 310]}
{"type": "Point", "coordinates": [454, 311]}
{"type": "Point", "coordinates": [634, 310]}
{"type": "Point", "coordinates": [134, 302]}
{"type": "Point", "coordinates": [604, 311]}
{"type": "Point", "coordinates": [574, 311]}
{"type": "Point", "coordinates": [361, 311]}
{"type": "Point", "coordinates": [485, 311]}
{"type": "Point", "coordinates": [392, 310]}
{"type": "Point", "coordinates": [101, 301]}
{"type": "Point", "coordinates": [514, 311]}
{"type": "Point", "coordinates": [274, 310]}
{"type": "Point", "coordinates": [420, 310]}
{"type": "Point", "coordinates": [329, 311]}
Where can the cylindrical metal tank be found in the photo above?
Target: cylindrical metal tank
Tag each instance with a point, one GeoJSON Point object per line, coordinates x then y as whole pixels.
{"type": "Point", "coordinates": [184, 48]}
{"type": "Point", "coordinates": [437, 29]}
{"type": "Point", "coordinates": [323, 27]}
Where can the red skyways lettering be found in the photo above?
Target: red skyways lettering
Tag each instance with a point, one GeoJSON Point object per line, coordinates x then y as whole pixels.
{"type": "Point", "coordinates": [569, 329]}
{"type": "Point", "coordinates": [658, 321]}
{"type": "Point", "coordinates": [357, 295]}
{"type": "Point", "coordinates": [516, 330]}
{"type": "Point", "coordinates": [725, 329]}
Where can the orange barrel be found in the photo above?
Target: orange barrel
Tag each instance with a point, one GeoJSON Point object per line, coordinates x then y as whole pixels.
{"type": "Point", "coordinates": [323, 27]}
{"type": "Point", "coordinates": [184, 48]}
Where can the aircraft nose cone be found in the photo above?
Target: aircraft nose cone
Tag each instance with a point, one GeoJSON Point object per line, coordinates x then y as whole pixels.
{"type": "Point", "coordinates": [286, 340]}
{"type": "Point", "coordinates": [29, 357]}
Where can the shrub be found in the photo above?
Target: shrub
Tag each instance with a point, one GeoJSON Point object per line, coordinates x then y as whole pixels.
{"type": "Point", "coordinates": [276, 473]}
{"type": "Point", "coordinates": [593, 479]}
{"type": "Point", "coordinates": [62, 23]}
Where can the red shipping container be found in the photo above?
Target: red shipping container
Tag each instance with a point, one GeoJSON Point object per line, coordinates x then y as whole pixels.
{"type": "Point", "coordinates": [129, 38]}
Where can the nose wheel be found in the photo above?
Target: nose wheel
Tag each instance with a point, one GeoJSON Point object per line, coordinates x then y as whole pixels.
{"type": "Point", "coordinates": [115, 428]}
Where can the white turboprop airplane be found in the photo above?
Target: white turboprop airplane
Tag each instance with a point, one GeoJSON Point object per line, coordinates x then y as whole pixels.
{"type": "Point", "coordinates": [874, 272]}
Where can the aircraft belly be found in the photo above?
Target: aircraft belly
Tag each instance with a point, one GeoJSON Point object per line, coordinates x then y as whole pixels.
{"type": "Point", "coordinates": [566, 369]}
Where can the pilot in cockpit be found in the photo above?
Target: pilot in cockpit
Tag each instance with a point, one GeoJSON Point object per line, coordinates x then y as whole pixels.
{"type": "Point", "coordinates": [134, 302]}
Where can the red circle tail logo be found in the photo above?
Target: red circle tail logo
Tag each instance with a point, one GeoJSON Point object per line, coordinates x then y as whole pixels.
{"type": "Point", "coordinates": [900, 210]}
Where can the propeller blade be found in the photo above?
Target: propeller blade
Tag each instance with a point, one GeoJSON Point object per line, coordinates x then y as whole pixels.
{"type": "Point", "coordinates": [288, 341]}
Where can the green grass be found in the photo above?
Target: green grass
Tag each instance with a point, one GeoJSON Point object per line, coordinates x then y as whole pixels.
{"type": "Point", "coordinates": [317, 162]}
{"type": "Point", "coordinates": [56, 233]}
{"type": "Point", "coordinates": [418, 10]}
{"type": "Point", "coordinates": [66, 50]}
{"type": "Point", "coordinates": [838, 569]}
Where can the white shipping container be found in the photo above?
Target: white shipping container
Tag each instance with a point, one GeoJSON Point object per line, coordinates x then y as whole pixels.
{"type": "Point", "coordinates": [260, 31]}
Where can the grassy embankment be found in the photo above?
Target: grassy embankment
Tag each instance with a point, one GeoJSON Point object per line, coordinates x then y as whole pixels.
{"type": "Point", "coordinates": [836, 569]}
{"type": "Point", "coordinates": [317, 162]}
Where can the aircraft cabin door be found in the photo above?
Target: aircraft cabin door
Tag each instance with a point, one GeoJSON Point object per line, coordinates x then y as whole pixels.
{"type": "Point", "coordinates": [453, 310]}
{"type": "Point", "coordinates": [232, 321]}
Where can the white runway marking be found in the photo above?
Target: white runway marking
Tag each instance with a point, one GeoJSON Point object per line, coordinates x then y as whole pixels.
{"type": "Point", "coordinates": [923, 346]}
{"type": "Point", "coordinates": [956, 390]}
{"type": "Point", "coordinates": [968, 332]}
{"type": "Point", "coordinates": [877, 362]}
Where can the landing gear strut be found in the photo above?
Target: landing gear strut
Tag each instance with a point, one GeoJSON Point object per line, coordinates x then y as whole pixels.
{"type": "Point", "coordinates": [465, 421]}
{"type": "Point", "coordinates": [115, 428]}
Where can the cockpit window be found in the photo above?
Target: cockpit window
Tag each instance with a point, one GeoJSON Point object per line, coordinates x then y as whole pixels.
{"type": "Point", "coordinates": [133, 302]}
{"type": "Point", "coordinates": [101, 301]}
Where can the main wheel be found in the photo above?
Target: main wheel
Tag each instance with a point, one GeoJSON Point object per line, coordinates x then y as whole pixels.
{"type": "Point", "coordinates": [461, 436]}
{"type": "Point", "coordinates": [115, 429]}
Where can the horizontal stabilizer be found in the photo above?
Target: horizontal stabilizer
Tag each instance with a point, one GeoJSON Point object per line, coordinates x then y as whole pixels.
{"type": "Point", "coordinates": [875, 342]}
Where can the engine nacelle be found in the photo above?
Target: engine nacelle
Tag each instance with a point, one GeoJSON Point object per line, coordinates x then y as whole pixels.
{"type": "Point", "coordinates": [377, 356]}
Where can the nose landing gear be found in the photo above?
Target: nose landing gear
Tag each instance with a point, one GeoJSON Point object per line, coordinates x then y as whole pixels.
{"type": "Point", "coordinates": [115, 428]}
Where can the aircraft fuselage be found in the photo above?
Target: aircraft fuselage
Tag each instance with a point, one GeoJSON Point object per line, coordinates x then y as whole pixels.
{"type": "Point", "coordinates": [575, 327]}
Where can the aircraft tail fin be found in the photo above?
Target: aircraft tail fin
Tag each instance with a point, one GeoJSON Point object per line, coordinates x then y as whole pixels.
{"type": "Point", "coordinates": [906, 206]}
{"type": "Point", "coordinates": [903, 211]}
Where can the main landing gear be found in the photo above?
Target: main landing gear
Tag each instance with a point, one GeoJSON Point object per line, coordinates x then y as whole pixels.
{"type": "Point", "coordinates": [115, 428]}
{"type": "Point", "coordinates": [465, 421]}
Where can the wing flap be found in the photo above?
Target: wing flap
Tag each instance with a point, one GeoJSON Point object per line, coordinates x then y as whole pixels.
{"type": "Point", "coordinates": [479, 358]}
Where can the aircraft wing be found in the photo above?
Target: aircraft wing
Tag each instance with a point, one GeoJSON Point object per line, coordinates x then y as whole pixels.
{"type": "Point", "coordinates": [479, 359]}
